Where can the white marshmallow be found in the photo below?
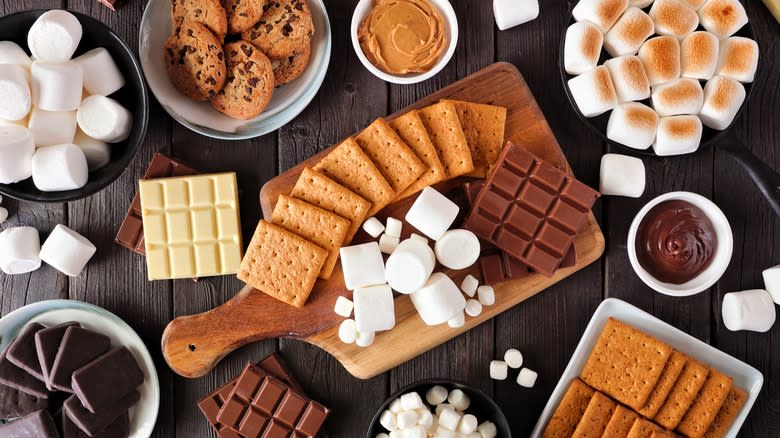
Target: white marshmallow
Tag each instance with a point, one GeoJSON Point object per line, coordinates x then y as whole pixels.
{"type": "Point", "coordinates": [677, 135]}
{"type": "Point", "coordinates": [20, 249]}
{"type": "Point", "coordinates": [458, 321]}
{"type": "Point", "coordinates": [439, 300]}
{"type": "Point", "coordinates": [442, 407]}
{"type": "Point", "coordinates": [513, 358]}
{"type": "Point", "coordinates": [11, 53]}
{"type": "Point", "coordinates": [58, 168]}
{"type": "Point", "coordinates": [772, 282]}
{"type": "Point", "coordinates": [411, 401]}
{"type": "Point", "coordinates": [418, 237]}
{"type": "Point", "coordinates": [23, 123]}
{"type": "Point", "coordinates": [348, 332]}
{"type": "Point", "coordinates": [473, 308]}
{"type": "Point", "coordinates": [436, 395]}
{"type": "Point", "coordinates": [527, 378]}
{"type": "Point", "coordinates": [459, 400]}
{"type": "Point", "coordinates": [487, 430]}
{"type": "Point", "coordinates": [594, 92]}
{"type": "Point", "coordinates": [633, 124]}
{"type": "Point", "coordinates": [373, 227]}
{"type": "Point", "coordinates": [409, 266]}
{"type": "Point", "coordinates": [674, 18]}
{"type": "Point", "coordinates": [498, 370]}
{"type": "Point", "coordinates": [382, 435]}
{"type": "Point", "coordinates": [582, 47]}
{"type": "Point", "coordinates": [699, 55]}
{"type": "Point", "coordinates": [424, 418]}
{"type": "Point", "coordinates": [602, 13]}
{"type": "Point", "coordinates": [343, 307]}
{"type": "Point", "coordinates": [749, 310]}
{"type": "Point", "coordinates": [105, 119]}
{"type": "Point", "coordinates": [738, 59]}
{"type": "Point", "coordinates": [628, 78]}
{"type": "Point", "coordinates": [395, 406]}
{"type": "Point", "coordinates": [661, 58]}
{"type": "Point", "coordinates": [469, 285]}
{"type": "Point", "coordinates": [362, 265]}
{"type": "Point", "coordinates": [97, 152]}
{"type": "Point", "coordinates": [415, 432]}
{"type": "Point", "coordinates": [457, 249]}
{"type": "Point", "coordinates": [394, 227]}
{"type": "Point", "coordinates": [622, 175]}
{"type": "Point", "coordinates": [406, 419]}
{"type": "Point", "coordinates": [468, 424]}
{"type": "Point", "coordinates": [101, 74]}
{"type": "Point", "coordinates": [511, 13]}
{"type": "Point", "coordinates": [374, 309]}
{"type": "Point", "coordinates": [486, 295]}
{"type": "Point", "coordinates": [442, 432]}
{"type": "Point", "coordinates": [723, 97]}
{"type": "Point", "coordinates": [54, 36]}
{"type": "Point", "coordinates": [723, 17]}
{"type": "Point", "coordinates": [57, 86]}
{"type": "Point", "coordinates": [628, 34]}
{"type": "Point", "coordinates": [680, 96]}
{"type": "Point", "coordinates": [432, 213]}
{"type": "Point", "coordinates": [397, 434]}
{"type": "Point", "coordinates": [67, 251]}
{"type": "Point", "coordinates": [50, 128]}
{"type": "Point", "coordinates": [15, 97]}
{"type": "Point", "coordinates": [388, 243]}
{"type": "Point", "coordinates": [449, 419]}
{"type": "Point", "coordinates": [388, 421]}
{"type": "Point", "coordinates": [16, 153]}
{"type": "Point", "coordinates": [365, 339]}
{"type": "Point", "coordinates": [3, 214]}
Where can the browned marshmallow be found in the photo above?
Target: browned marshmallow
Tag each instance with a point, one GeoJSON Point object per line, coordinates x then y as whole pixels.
{"type": "Point", "coordinates": [674, 18]}
{"type": "Point", "coordinates": [695, 4]}
{"type": "Point", "coordinates": [633, 124]}
{"type": "Point", "coordinates": [661, 57]}
{"type": "Point", "coordinates": [723, 17]}
{"type": "Point", "coordinates": [602, 13]}
{"type": "Point", "coordinates": [723, 98]}
{"type": "Point", "coordinates": [593, 92]}
{"type": "Point", "coordinates": [681, 96]}
{"type": "Point", "coordinates": [629, 78]}
{"type": "Point", "coordinates": [738, 59]}
{"type": "Point", "coordinates": [699, 55]}
{"type": "Point", "coordinates": [677, 135]}
{"type": "Point", "coordinates": [582, 47]}
{"type": "Point", "coordinates": [628, 34]}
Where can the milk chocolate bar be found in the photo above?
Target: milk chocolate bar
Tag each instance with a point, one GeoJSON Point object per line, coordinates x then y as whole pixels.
{"type": "Point", "coordinates": [15, 403]}
{"type": "Point", "coordinates": [92, 423]}
{"type": "Point", "coordinates": [17, 378]}
{"type": "Point", "coordinates": [79, 347]}
{"type": "Point", "coordinates": [47, 342]}
{"type": "Point", "coordinates": [106, 379]}
{"type": "Point", "coordinates": [23, 352]}
{"type": "Point", "coordinates": [120, 428]}
{"type": "Point", "coordinates": [39, 424]}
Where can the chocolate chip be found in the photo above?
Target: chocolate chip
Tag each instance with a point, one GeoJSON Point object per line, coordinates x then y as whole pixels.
{"type": "Point", "coordinates": [243, 14]}
{"type": "Point", "coordinates": [246, 98]}
{"type": "Point", "coordinates": [249, 64]}
{"type": "Point", "coordinates": [269, 28]}
{"type": "Point", "coordinates": [211, 81]}
{"type": "Point", "coordinates": [299, 6]}
{"type": "Point", "coordinates": [247, 50]}
{"type": "Point", "coordinates": [190, 32]}
{"type": "Point", "coordinates": [198, 12]}
{"type": "Point", "coordinates": [249, 90]}
{"type": "Point", "coordinates": [287, 29]}
{"type": "Point", "coordinates": [233, 53]}
{"type": "Point", "coordinates": [220, 56]}
{"type": "Point", "coordinates": [253, 81]}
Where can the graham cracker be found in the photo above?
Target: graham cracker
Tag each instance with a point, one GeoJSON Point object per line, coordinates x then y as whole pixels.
{"type": "Point", "coordinates": [671, 372]}
{"type": "Point", "coordinates": [625, 363]}
{"type": "Point", "coordinates": [643, 429]}
{"type": "Point", "coordinates": [321, 227]}
{"type": "Point", "coordinates": [620, 423]}
{"type": "Point", "coordinates": [595, 418]}
{"type": "Point", "coordinates": [391, 155]}
{"type": "Point", "coordinates": [663, 434]}
{"type": "Point", "coordinates": [316, 188]}
{"type": "Point", "coordinates": [411, 129]}
{"type": "Point", "coordinates": [281, 264]}
{"type": "Point", "coordinates": [443, 127]}
{"type": "Point", "coordinates": [484, 126]}
{"type": "Point", "coordinates": [707, 404]}
{"type": "Point", "coordinates": [683, 393]}
{"type": "Point", "coordinates": [727, 413]}
{"type": "Point", "coordinates": [349, 166]}
{"type": "Point", "coordinates": [570, 410]}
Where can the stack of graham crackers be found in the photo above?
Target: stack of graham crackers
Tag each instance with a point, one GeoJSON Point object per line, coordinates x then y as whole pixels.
{"type": "Point", "coordinates": [386, 162]}
{"type": "Point", "coordinates": [636, 386]}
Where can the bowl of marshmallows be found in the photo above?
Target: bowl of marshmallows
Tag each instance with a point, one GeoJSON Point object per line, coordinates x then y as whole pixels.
{"type": "Point", "coordinates": [73, 106]}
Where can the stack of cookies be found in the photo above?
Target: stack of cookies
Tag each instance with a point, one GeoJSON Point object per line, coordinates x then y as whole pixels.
{"type": "Point", "coordinates": [635, 386]}
{"type": "Point", "coordinates": [233, 53]}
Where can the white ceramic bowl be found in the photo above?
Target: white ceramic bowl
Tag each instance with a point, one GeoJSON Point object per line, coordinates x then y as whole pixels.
{"type": "Point", "coordinates": [450, 27]}
{"type": "Point", "coordinates": [720, 260]}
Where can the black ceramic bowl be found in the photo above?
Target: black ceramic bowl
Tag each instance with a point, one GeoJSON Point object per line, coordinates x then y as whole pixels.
{"type": "Point", "coordinates": [132, 96]}
{"type": "Point", "coordinates": [482, 406]}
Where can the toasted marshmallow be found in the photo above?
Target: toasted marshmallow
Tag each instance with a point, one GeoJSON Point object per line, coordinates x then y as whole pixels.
{"type": "Point", "coordinates": [677, 135]}
{"type": "Point", "coordinates": [633, 124]}
{"type": "Point", "coordinates": [629, 78]}
{"type": "Point", "coordinates": [54, 36]}
{"type": "Point", "coordinates": [699, 55]}
{"type": "Point", "coordinates": [52, 127]}
{"type": "Point", "coordinates": [722, 99]}
{"type": "Point", "coordinates": [57, 86]}
{"type": "Point", "coordinates": [738, 59]}
{"type": "Point", "coordinates": [628, 34]}
{"type": "Point", "coordinates": [674, 18]}
{"type": "Point", "coordinates": [681, 96]}
{"type": "Point", "coordinates": [582, 47]}
{"type": "Point", "coordinates": [695, 4]}
{"type": "Point", "coordinates": [602, 13]}
{"type": "Point", "coordinates": [15, 97]}
{"type": "Point", "coordinates": [105, 119]}
{"type": "Point", "coordinates": [661, 58]}
{"type": "Point", "coordinates": [11, 53]}
{"type": "Point", "coordinates": [593, 92]}
{"type": "Point", "coordinates": [723, 17]}
{"type": "Point", "coordinates": [101, 75]}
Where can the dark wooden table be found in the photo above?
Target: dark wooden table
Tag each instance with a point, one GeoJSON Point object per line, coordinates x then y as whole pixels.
{"type": "Point", "coordinates": [545, 328]}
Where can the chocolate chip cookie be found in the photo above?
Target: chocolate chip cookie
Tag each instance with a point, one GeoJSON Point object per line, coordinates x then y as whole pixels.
{"type": "Point", "coordinates": [249, 84]}
{"type": "Point", "coordinates": [243, 14]}
{"type": "Point", "coordinates": [209, 13]}
{"type": "Point", "coordinates": [285, 27]}
{"type": "Point", "coordinates": [289, 68]}
{"type": "Point", "coordinates": [195, 61]}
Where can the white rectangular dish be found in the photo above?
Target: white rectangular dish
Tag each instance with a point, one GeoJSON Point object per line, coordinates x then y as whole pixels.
{"type": "Point", "coordinates": [744, 375]}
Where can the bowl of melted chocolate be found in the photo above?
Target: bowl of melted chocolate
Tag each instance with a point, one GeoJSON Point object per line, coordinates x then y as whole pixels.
{"type": "Point", "coordinates": [680, 243]}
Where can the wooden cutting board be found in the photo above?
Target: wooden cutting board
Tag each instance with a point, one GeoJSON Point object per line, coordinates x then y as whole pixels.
{"type": "Point", "coordinates": [193, 345]}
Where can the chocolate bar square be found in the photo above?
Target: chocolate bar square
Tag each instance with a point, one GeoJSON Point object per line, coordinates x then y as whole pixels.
{"type": "Point", "coordinates": [23, 353]}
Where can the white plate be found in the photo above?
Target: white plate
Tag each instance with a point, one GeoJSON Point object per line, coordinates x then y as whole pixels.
{"type": "Point", "coordinates": [143, 415]}
{"type": "Point", "coordinates": [744, 375]}
{"type": "Point", "coordinates": [288, 101]}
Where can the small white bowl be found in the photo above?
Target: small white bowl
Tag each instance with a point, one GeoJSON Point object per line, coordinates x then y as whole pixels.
{"type": "Point", "coordinates": [720, 260]}
{"type": "Point", "coordinates": [450, 27]}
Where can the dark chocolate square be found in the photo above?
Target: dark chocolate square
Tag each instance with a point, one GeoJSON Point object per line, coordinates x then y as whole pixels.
{"type": "Point", "coordinates": [522, 222]}
{"type": "Point", "coordinates": [547, 176]}
{"type": "Point", "coordinates": [506, 183]}
{"type": "Point", "coordinates": [290, 409]}
{"type": "Point", "coordinates": [553, 239]}
{"type": "Point", "coordinates": [269, 395]}
{"type": "Point", "coordinates": [535, 199]}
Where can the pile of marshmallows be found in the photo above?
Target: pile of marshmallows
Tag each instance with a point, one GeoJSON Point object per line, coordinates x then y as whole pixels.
{"type": "Point", "coordinates": [753, 310]}
{"type": "Point", "coordinates": [55, 119]}
{"type": "Point", "coordinates": [64, 249]}
{"type": "Point", "coordinates": [673, 64]}
{"type": "Point", "coordinates": [409, 270]}
{"type": "Point", "coordinates": [408, 417]}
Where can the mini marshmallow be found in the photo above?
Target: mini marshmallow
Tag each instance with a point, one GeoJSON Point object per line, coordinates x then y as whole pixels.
{"type": "Point", "coordinates": [11, 53]}
{"type": "Point", "coordinates": [473, 308]}
{"type": "Point", "coordinates": [442, 407]}
{"type": "Point", "coordinates": [439, 300]}
{"type": "Point", "coordinates": [628, 34]}
{"type": "Point", "coordinates": [738, 59]}
{"type": "Point", "coordinates": [723, 97]}
{"type": "Point", "coordinates": [365, 339]}
{"type": "Point", "coordinates": [3, 214]}
{"type": "Point", "coordinates": [442, 432]}
{"type": "Point", "coordinates": [363, 265]}
{"type": "Point", "coordinates": [57, 86]}
{"type": "Point", "coordinates": [677, 135]}
{"type": "Point", "coordinates": [469, 285]}
{"type": "Point", "coordinates": [388, 243]}
{"type": "Point", "coordinates": [772, 282]}
{"type": "Point", "coordinates": [54, 36]}
{"type": "Point", "coordinates": [388, 421]}
{"type": "Point", "coordinates": [498, 370]}
{"type": "Point", "coordinates": [751, 310]}
{"type": "Point", "coordinates": [513, 358]}
{"type": "Point", "coordinates": [395, 406]}
{"type": "Point", "coordinates": [343, 307]}
{"type": "Point", "coordinates": [411, 401]}
{"type": "Point", "coordinates": [51, 128]}
{"type": "Point", "coordinates": [680, 96]}
{"type": "Point", "coordinates": [20, 249]}
{"type": "Point", "coordinates": [15, 97]}
{"type": "Point", "coordinates": [397, 434]}
{"type": "Point", "coordinates": [582, 47]}
{"type": "Point", "coordinates": [406, 419]}
{"type": "Point", "coordinates": [486, 295]}
{"type": "Point", "coordinates": [374, 309]}
{"type": "Point", "coordinates": [468, 424]}
{"type": "Point", "coordinates": [101, 74]}
{"type": "Point", "coordinates": [436, 395]}
{"type": "Point", "coordinates": [382, 435]}
{"type": "Point", "coordinates": [105, 119]}
{"type": "Point", "coordinates": [593, 91]}
{"type": "Point", "coordinates": [458, 321]}
{"type": "Point", "coordinates": [633, 124]}
{"type": "Point", "coordinates": [511, 13]}
{"type": "Point", "coordinates": [628, 78]}
{"type": "Point", "coordinates": [432, 213]}
{"type": "Point", "coordinates": [58, 168]}
{"type": "Point", "coordinates": [622, 175]}
{"type": "Point", "coordinates": [394, 227]}
{"type": "Point", "coordinates": [424, 418]}
{"type": "Point", "coordinates": [527, 378]}
{"type": "Point", "coordinates": [674, 18]}
{"type": "Point", "coordinates": [348, 332]}
{"type": "Point", "coordinates": [457, 249]}
{"type": "Point", "coordinates": [699, 55]}
{"type": "Point", "coordinates": [602, 13]}
{"type": "Point", "coordinates": [373, 227]}
{"type": "Point", "coordinates": [97, 152]}
{"type": "Point", "coordinates": [419, 237]}
{"type": "Point", "coordinates": [723, 17]}
{"type": "Point", "coordinates": [449, 419]}
{"type": "Point", "coordinates": [415, 432]}
{"type": "Point", "coordinates": [487, 430]}
{"type": "Point", "coordinates": [67, 251]}
{"type": "Point", "coordinates": [16, 154]}
{"type": "Point", "coordinates": [410, 266]}
{"type": "Point", "coordinates": [459, 400]}
{"type": "Point", "coordinates": [661, 58]}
